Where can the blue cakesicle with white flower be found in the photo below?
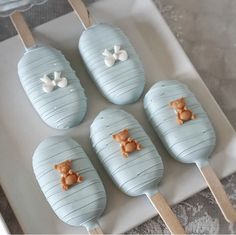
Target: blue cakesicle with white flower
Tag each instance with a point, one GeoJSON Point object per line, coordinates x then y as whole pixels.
{"type": "Point", "coordinates": [52, 87]}
{"type": "Point", "coordinates": [112, 63]}
{"type": "Point", "coordinates": [110, 58]}
{"type": "Point", "coordinates": [50, 83]}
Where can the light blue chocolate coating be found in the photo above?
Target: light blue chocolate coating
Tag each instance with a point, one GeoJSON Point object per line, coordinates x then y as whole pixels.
{"type": "Point", "coordinates": [192, 142]}
{"type": "Point", "coordinates": [123, 83]}
{"type": "Point", "coordinates": [142, 171]}
{"type": "Point", "coordinates": [63, 107]}
{"type": "Point", "coordinates": [84, 202]}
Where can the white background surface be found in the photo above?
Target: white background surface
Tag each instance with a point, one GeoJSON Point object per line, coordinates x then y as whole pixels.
{"type": "Point", "coordinates": [21, 129]}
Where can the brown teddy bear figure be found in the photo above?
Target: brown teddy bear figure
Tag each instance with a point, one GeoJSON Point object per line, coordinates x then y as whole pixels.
{"type": "Point", "coordinates": [128, 145]}
{"type": "Point", "coordinates": [183, 113]}
{"type": "Point", "coordinates": [68, 176]}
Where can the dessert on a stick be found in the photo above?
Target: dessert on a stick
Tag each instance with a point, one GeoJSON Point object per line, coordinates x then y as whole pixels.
{"type": "Point", "coordinates": [136, 169]}
{"type": "Point", "coordinates": [69, 182]}
{"type": "Point", "coordinates": [110, 58]}
{"type": "Point", "coordinates": [50, 83]}
{"type": "Point", "coordinates": [187, 133]}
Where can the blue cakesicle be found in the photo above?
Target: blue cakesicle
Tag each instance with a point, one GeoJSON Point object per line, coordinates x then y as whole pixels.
{"type": "Point", "coordinates": [83, 203]}
{"type": "Point", "coordinates": [140, 172]}
{"type": "Point", "coordinates": [52, 87]}
{"type": "Point", "coordinates": [112, 63]}
{"type": "Point", "coordinates": [187, 133]}
{"type": "Point", "coordinates": [191, 142]}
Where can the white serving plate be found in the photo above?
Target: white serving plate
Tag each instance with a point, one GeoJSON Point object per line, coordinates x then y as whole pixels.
{"type": "Point", "coordinates": [3, 227]}
{"type": "Point", "coordinates": [21, 129]}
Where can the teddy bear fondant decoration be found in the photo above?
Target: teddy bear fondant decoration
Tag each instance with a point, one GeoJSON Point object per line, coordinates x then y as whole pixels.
{"type": "Point", "coordinates": [68, 176]}
{"type": "Point", "coordinates": [183, 113]}
{"type": "Point", "coordinates": [127, 144]}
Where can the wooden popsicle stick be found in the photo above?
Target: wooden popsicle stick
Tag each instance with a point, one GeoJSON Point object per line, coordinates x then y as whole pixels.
{"type": "Point", "coordinates": [219, 193]}
{"type": "Point", "coordinates": [82, 12]}
{"type": "Point", "coordinates": [22, 29]}
{"type": "Point", "coordinates": [96, 230]}
{"type": "Point", "coordinates": [167, 215]}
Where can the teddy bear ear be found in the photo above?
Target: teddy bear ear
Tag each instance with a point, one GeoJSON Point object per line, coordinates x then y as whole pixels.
{"type": "Point", "coordinates": [171, 103]}
{"type": "Point", "coordinates": [114, 136]}
{"type": "Point", "coordinates": [55, 167]}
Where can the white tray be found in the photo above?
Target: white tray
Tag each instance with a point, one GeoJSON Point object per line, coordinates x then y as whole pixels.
{"type": "Point", "coordinates": [21, 129]}
{"type": "Point", "coordinates": [3, 227]}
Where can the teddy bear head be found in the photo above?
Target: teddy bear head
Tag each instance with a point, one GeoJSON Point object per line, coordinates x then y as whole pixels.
{"type": "Point", "coordinates": [63, 167]}
{"type": "Point", "coordinates": [121, 136]}
{"type": "Point", "coordinates": [178, 104]}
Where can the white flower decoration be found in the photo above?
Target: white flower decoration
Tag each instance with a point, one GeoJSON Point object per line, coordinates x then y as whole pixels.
{"type": "Point", "coordinates": [49, 85]}
{"type": "Point", "coordinates": [118, 54]}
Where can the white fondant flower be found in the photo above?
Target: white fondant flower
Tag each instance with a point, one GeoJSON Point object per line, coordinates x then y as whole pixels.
{"type": "Point", "coordinates": [58, 81]}
{"type": "Point", "coordinates": [109, 59]}
{"type": "Point", "coordinates": [118, 54]}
